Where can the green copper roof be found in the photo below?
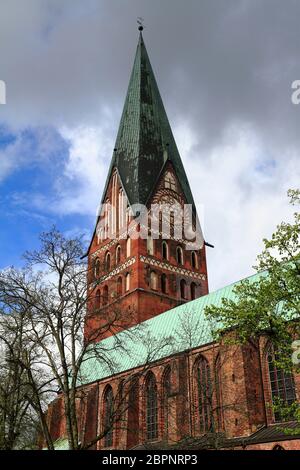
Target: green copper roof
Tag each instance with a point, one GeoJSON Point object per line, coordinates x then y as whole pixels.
{"type": "Point", "coordinates": [153, 335]}
{"type": "Point", "coordinates": [145, 140]}
{"type": "Point", "coordinates": [60, 444]}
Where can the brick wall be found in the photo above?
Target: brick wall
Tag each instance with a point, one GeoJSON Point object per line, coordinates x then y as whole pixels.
{"type": "Point", "coordinates": [142, 300]}
{"type": "Point", "coordinates": [179, 418]}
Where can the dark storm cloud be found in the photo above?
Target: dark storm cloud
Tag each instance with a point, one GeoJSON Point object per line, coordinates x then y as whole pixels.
{"type": "Point", "coordinates": [217, 62]}
{"type": "Point", "coordinates": [224, 69]}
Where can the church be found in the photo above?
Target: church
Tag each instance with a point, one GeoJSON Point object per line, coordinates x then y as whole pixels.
{"type": "Point", "coordinates": [183, 389]}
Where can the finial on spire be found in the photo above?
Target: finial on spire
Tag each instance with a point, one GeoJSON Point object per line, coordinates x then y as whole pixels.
{"type": "Point", "coordinates": [140, 22]}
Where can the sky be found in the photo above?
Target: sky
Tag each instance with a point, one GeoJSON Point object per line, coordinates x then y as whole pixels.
{"type": "Point", "coordinates": [224, 70]}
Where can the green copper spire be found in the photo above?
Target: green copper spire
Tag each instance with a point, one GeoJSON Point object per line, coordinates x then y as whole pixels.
{"type": "Point", "coordinates": [144, 135]}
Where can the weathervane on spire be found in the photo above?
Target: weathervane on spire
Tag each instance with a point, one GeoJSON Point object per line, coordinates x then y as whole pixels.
{"type": "Point", "coordinates": [140, 22]}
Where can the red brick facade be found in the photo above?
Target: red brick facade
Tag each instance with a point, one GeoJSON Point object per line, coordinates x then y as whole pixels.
{"type": "Point", "coordinates": [143, 296]}
{"type": "Point", "coordinates": [239, 404]}
{"type": "Point", "coordinates": [219, 391]}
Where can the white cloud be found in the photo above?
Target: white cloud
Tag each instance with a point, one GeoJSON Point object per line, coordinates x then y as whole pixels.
{"type": "Point", "coordinates": [241, 188]}
{"type": "Point", "coordinates": [84, 174]}
{"type": "Point", "coordinates": [244, 198]}
{"type": "Point", "coordinates": [67, 62]}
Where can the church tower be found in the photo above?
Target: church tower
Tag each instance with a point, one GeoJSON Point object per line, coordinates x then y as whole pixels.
{"type": "Point", "coordinates": [140, 262]}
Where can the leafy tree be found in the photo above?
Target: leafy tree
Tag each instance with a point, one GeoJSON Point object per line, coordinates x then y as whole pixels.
{"type": "Point", "coordinates": [268, 305]}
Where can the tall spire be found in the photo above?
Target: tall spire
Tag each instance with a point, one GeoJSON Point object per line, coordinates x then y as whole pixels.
{"type": "Point", "coordinates": [145, 140]}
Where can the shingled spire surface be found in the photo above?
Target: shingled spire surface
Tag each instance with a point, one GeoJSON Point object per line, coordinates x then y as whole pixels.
{"type": "Point", "coordinates": [145, 140]}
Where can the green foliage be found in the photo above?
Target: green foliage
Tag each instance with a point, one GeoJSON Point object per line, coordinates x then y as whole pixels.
{"type": "Point", "coordinates": [269, 306]}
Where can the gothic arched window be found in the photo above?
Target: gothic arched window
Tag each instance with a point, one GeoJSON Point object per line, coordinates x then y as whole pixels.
{"type": "Point", "coordinates": [128, 214]}
{"type": "Point", "coordinates": [108, 416]}
{"type": "Point", "coordinates": [133, 413]}
{"type": "Point", "coordinates": [204, 393]}
{"type": "Point", "coordinates": [281, 382]}
{"type": "Point", "coordinates": [163, 283]}
{"type": "Point", "coordinates": [100, 235]}
{"type": "Point", "coordinates": [193, 290]}
{"type": "Point", "coordinates": [118, 254]}
{"type": "Point", "coordinates": [119, 286]}
{"type": "Point", "coordinates": [122, 209]}
{"type": "Point", "coordinates": [128, 247]}
{"type": "Point", "coordinates": [150, 247]}
{"type": "Point", "coordinates": [166, 385]}
{"type": "Point", "coordinates": [153, 280]}
{"type": "Point", "coordinates": [172, 221]}
{"type": "Point", "coordinates": [127, 282]}
{"type": "Point", "coordinates": [114, 202]}
{"type": "Point", "coordinates": [183, 289]}
{"type": "Point", "coordinates": [107, 261]}
{"type": "Point", "coordinates": [179, 255]}
{"type": "Point", "coordinates": [151, 408]}
{"type": "Point", "coordinates": [160, 221]}
{"type": "Point", "coordinates": [164, 250]}
{"type": "Point", "coordinates": [97, 268]}
{"type": "Point", "coordinates": [105, 295]}
{"type": "Point", "coordinates": [194, 260]}
{"type": "Point", "coordinates": [218, 391]}
{"type": "Point", "coordinates": [107, 218]}
{"type": "Point", "coordinates": [98, 299]}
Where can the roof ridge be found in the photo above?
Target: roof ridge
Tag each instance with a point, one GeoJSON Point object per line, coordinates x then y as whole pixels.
{"type": "Point", "coordinates": [238, 281]}
{"type": "Point", "coordinates": [166, 324]}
